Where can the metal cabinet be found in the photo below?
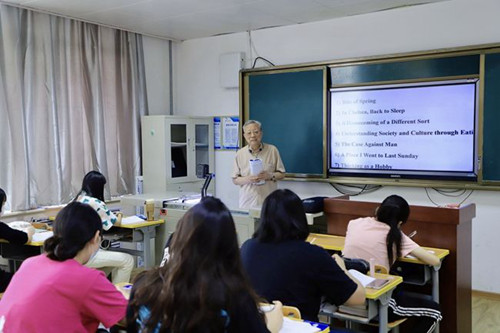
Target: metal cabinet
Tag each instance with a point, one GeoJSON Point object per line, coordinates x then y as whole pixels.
{"type": "Point", "coordinates": [172, 147]}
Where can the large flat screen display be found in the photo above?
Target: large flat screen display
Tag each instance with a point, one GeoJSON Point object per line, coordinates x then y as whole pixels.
{"type": "Point", "coordinates": [423, 131]}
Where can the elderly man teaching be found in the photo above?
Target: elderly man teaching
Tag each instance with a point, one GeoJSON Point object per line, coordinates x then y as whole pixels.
{"type": "Point", "coordinates": [256, 155]}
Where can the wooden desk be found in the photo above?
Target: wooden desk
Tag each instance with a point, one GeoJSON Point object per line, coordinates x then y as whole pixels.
{"type": "Point", "coordinates": [448, 228]}
{"type": "Point", "coordinates": [16, 254]}
{"type": "Point", "coordinates": [142, 232]}
{"type": "Point", "coordinates": [125, 288]}
{"type": "Point", "coordinates": [377, 303]}
{"type": "Point", "coordinates": [336, 243]}
{"type": "Point", "coordinates": [328, 242]}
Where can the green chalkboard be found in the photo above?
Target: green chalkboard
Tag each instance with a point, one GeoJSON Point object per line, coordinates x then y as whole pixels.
{"type": "Point", "coordinates": [491, 116]}
{"type": "Point", "coordinates": [291, 107]}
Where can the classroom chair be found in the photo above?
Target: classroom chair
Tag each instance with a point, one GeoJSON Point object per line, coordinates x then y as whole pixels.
{"type": "Point", "coordinates": [381, 269]}
{"type": "Point", "coordinates": [291, 311]}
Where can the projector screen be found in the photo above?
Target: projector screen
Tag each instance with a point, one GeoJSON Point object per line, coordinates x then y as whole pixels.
{"type": "Point", "coordinates": [426, 130]}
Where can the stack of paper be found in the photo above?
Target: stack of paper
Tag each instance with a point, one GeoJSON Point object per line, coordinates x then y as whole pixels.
{"type": "Point", "coordinates": [363, 278]}
{"type": "Point", "coordinates": [297, 326]}
{"type": "Point", "coordinates": [134, 219]}
{"type": "Point", "coordinates": [256, 167]}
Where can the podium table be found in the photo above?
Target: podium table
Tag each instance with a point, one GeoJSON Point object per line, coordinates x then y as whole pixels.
{"type": "Point", "coordinates": [448, 228]}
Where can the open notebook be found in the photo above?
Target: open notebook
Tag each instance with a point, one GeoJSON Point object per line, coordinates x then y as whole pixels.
{"type": "Point", "coordinates": [368, 281]}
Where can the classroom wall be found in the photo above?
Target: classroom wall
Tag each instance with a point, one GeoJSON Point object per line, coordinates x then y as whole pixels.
{"type": "Point", "coordinates": [441, 25]}
{"type": "Point", "coordinates": [156, 58]}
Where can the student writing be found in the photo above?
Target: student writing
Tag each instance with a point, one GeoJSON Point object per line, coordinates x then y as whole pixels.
{"type": "Point", "coordinates": [92, 193]}
{"type": "Point", "coordinates": [380, 238]}
{"type": "Point", "coordinates": [12, 236]}
{"type": "Point", "coordinates": [283, 266]}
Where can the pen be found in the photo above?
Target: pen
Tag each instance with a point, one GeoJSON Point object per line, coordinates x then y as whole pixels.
{"type": "Point", "coordinates": [413, 233]}
{"type": "Point", "coordinates": [312, 240]}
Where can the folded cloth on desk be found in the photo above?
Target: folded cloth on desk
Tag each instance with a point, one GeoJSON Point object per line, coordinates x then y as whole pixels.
{"type": "Point", "coordinates": [358, 264]}
{"type": "Point", "coordinates": [132, 220]}
{"type": "Point", "coordinates": [19, 225]}
{"type": "Point", "coordinates": [297, 326]}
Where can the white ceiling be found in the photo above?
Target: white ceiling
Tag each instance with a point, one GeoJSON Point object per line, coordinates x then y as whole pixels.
{"type": "Point", "coordinates": [188, 19]}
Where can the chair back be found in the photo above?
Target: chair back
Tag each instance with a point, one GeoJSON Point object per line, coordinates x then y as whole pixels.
{"type": "Point", "coordinates": [291, 311]}
{"type": "Point", "coordinates": [381, 269]}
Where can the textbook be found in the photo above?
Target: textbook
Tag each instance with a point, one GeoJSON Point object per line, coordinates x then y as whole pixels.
{"type": "Point", "coordinates": [368, 281]}
{"type": "Point", "coordinates": [359, 310]}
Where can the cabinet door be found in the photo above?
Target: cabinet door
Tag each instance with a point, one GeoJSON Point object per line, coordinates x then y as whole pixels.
{"type": "Point", "coordinates": [177, 142]}
{"type": "Point", "coordinates": [203, 143]}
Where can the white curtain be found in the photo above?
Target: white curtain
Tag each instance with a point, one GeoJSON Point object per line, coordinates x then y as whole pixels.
{"type": "Point", "coordinates": [71, 98]}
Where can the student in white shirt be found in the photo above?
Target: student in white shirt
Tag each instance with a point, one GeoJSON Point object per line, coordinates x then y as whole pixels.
{"type": "Point", "coordinates": [92, 193]}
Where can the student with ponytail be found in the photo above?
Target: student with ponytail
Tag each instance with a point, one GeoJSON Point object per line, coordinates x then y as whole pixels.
{"type": "Point", "coordinates": [119, 263]}
{"type": "Point", "coordinates": [55, 292]}
{"type": "Point", "coordinates": [381, 239]}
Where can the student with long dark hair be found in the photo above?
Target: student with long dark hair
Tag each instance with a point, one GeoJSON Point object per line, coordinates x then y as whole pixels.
{"type": "Point", "coordinates": [202, 287]}
{"type": "Point", "coordinates": [92, 193]}
{"type": "Point", "coordinates": [381, 239]}
{"type": "Point", "coordinates": [13, 236]}
{"type": "Point", "coordinates": [55, 292]}
{"type": "Point", "coordinates": [283, 266]}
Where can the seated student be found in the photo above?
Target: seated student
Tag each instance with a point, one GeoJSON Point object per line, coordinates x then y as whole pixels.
{"type": "Point", "coordinates": [381, 239]}
{"type": "Point", "coordinates": [283, 266]}
{"type": "Point", "coordinates": [92, 193]}
{"type": "Point", "coordinates": [55, 292]}
{"type": "Point", "coordinates": [12, 236]}
{"type": "Point", "coordinates": [202, 287]}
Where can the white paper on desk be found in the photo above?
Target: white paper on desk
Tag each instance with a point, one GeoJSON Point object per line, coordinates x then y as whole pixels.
{"type": "Point", "coordinates": [256, 167]}
{"type": "Point", "coordinates": [134, 219]}
{"type": "Point", "coordinates": [41, 236]}
{"type": "Point", "coordinates": [295, 326]}
{"type": "Point", "coordinates": [363, 278]}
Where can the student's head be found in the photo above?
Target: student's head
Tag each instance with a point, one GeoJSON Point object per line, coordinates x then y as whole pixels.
{"type": "Point", "coordinates": [203, 275]}
{"type": "Point", "coordinates": [93, 184]}
{"type": "Point", "coordinates": [393, 211]}
{"type": "Point", "coordinates": [3, 199]}
{"type": "Point", "coordinates": [76, 226]}
{"type": "Point", "coordinates": [282, 218]}
{"type": "Point", "coordinates": [206, 237]}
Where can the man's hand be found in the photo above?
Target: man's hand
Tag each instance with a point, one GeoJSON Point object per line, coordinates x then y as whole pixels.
{"type": "Point", "coordinates": [264, 175]}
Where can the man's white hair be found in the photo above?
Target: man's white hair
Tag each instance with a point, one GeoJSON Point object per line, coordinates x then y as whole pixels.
{"type": "Point", "coordinates": [249, 122]}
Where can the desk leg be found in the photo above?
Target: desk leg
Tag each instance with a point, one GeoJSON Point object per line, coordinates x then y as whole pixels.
{"type": "Point", "coordinates": [149, 256]}
{"type": "Point", "coordinates": [383, 305]}
{"type": "Point", "coordinates": [435, 289]}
